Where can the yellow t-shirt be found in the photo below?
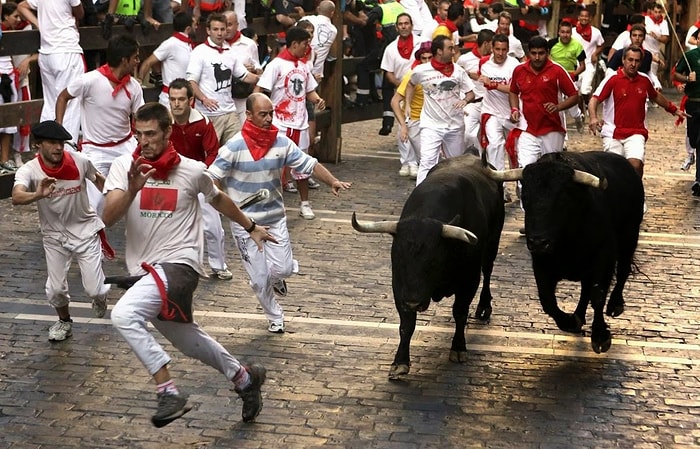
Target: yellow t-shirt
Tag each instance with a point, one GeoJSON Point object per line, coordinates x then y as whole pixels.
{"type": "Point", "coordinates": [417, 100]}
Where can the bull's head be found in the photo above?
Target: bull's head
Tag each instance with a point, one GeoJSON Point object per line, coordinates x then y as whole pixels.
{"type": "Point", "coordinates": [420, 254]}
{"type": "Point", "coordinates": [553, 198]}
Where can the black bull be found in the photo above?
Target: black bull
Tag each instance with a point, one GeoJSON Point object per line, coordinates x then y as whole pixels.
{"type": "Point", "coordinates": [446, 237]}
{"type": "Point", "coordinates": [581, 228]}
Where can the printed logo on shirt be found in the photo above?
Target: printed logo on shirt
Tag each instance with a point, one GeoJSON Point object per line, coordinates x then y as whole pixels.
{"type": "Point", "coordinates": [158, 203]}
{"type": "Point", "coordinates": [65, 191]}
{"type": "Point", "coordinates": [222, 76]}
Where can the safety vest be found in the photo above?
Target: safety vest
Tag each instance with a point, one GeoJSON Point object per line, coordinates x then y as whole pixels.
{"type": "Point", "coordinates": [129, 8]}
{"type": "Point", "coordinates": [390, 11]}
{"type": "Point", "coordinates": [209, 5]}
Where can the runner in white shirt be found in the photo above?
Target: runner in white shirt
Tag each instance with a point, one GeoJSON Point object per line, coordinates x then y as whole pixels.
{"type": "Point", "coordinates": [324, 35]}
{"type": "Point", "coordinates": [107, 97]}
{"type": "Point", "coordinates": [514, 44]}
{"type": "Point", "coordinates": [691, 37]}
{"type": "Point", "coordinates": [420, 13]}
{"type": "Point", "coordinates": [289, 80]}
{"type": "Point", "coordinates": [246, 51]}
{"type": "Point", "coordinates": [657, 33]}
{"type": "Point", "coordinates": [173, 53]}
{"type": "Point", "coordinates": [592, 41]}
{"type": "Point", "coordinates": [447, 88]}
{"type": "Point", "coordinates": [470, 63]}
{"type": "Point", "coordinates": [495, 73]}
{"type": "Point", "coordinates": [60, 54]}
{"type": "Point", "coordinates": [211, 70]}
{"type": "Point", "coordinates": [56, 180]}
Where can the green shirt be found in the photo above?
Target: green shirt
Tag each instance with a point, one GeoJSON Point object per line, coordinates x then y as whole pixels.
{"type": "Point", "coordinates": [567, 55]}
{"type": "Point", "coordinates": [692, 90]}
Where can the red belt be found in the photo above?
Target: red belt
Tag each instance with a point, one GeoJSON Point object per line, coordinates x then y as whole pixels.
{"type": "Point", "coordinates": [165, 89]}
{"type": "Point", "coordinates": [103, 145]}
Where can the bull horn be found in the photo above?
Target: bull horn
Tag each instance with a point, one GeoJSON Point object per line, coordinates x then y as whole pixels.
{"type": "Point", "coordinates": [455, 232]}
{"type": "Point", "coordinates": [588, 179]}
{"type": "Point", "coordinates": [514, 174]}
{"type": "Point", "coordinates": [388, 227]}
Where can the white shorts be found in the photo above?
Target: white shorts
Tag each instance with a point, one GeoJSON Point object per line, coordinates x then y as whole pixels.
{"type": "Point", "coordinates": [531, 148]}
{"type": "Point", "coordinates": [631, 147]}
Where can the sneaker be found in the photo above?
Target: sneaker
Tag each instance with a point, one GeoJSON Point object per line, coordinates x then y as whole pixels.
{"type": "Point", "coordinates": [290, 187]}
{"type": "Point", "coordinates": [306, 212]}
{"type": "Point", "coordinates": [405, 170]}
{"type": "Point", "coordinates": [224, 275]}
{"type": "Point", "coordinates": [280, 287]}
{"type": "Point", "coordinates": [18, 160]}
{"type": "Point", "coordinates": [521, 231]}
{"type": "Point", "coordinates": [689, 161]}
{"type": "Point", "coordinates": [170, 407]}
{"type": "Point", "coordinates": [413, 171]}
{"type": "Point", "coordinates": [276, 328]}
{"type": "Point", "coordinates": [696, 188]}
{"type": "Point", "coordinates": [60, 330]}
{"type": "Point", "coordinates": [644, 208]}
{"type": "Point", "coordinates": [313, 184]}
{"type": "Point", "coordinates": [506, 196]}
{"type": "Point", "coordinates": [579, 124]}
{"type": "Point", "coordinates": [252, 398]}
{"type": "Point", "coordinates": [9, 165]}
{"type": "Point", "coordinates": [99, 305]}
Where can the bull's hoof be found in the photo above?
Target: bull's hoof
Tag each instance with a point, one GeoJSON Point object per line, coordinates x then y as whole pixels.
{"type": "Point", "coordinates": [483, 313]}
{"type": "Point", "coordinates": [572, 324]}
{"type": "Point", "coordinates": [458, 356]}
{"type": "Point", "coordinates": [615, 310]}
{"type": "Point", "coordinates": [601, 340]}
{"type": "Point", "coordinates": [397, 371]}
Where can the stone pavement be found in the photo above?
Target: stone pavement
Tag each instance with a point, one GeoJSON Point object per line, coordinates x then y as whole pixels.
{"type": "Point", "coordinates": [526, 384]}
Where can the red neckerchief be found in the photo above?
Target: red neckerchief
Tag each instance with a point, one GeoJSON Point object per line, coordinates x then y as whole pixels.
{"type": "Point", "coordinates": [405, 46]}
{"type": "Point", "coordinates": [259, 140]}
{"type": "Point", "coordinates": [288, 56]}
{"type": "Point", "coordinates": [5, 28]}
{"type": "Point", "coordinates": [450, 25]}
{"type": "Point", "coordinates": [697, 24]}
{"type": "Point", "coordinates": [120, 83]}
{"type": "Point", "coordinates": [215, 47]}
{"type": "Point", "coordinates": [438, 19]}
{"type": "Point", "coordinates": [307, 55]}
{"type": "Point", "coordinates": [182, 37]}
{"type": "Point", "coordinates": [234, 38]}
{"type": "Point", "coordinates": [656, 21]}
{"type": "Point", "coordinates": [477, 53]}
{"type": "Point", "coordinates": [67, 171]}
{"type": "Point", "coordinates": [444, 68]}
{"type": "Point", "coordinates": [167, 160]}
{"type": "Point", "coordinates": [586, 32]}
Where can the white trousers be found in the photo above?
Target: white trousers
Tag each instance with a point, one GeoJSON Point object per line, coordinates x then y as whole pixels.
{"type": "Point", "coordinates": [472, 123]}
{"type": "Point", "coordinates": [497, 130]}
{"type": "Point", "coordinates": [141, 304]}
{"type": "Point", "coordinates": [531, 148]}
{"type": "Point", "coordinates": [265, 267]}
{"type": "Point", "coordinates": [409, 152]}
{"type": "Point", "coordinates": [58, 261]}
{"type": "Point", "coordinates": [57, 70]}
{"type": "Point", "coordinates": [431, 141]}
{"type": "Point", "coordinates": [213, 234]}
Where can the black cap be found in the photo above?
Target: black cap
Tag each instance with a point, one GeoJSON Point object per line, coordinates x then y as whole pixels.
{"type": "Point", "coordinates": [51, 130]}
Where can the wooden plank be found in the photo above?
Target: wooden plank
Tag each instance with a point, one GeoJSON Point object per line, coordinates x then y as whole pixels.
{"type": "Point", "coordinates": [20, 113]}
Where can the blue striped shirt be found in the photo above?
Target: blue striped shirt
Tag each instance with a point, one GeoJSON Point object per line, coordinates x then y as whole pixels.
{"type": "Point", "coordinates": [242, 176]}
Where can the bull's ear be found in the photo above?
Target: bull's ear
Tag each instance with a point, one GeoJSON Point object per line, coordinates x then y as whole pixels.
{"type": "Point", "coordinates": [455, 221]}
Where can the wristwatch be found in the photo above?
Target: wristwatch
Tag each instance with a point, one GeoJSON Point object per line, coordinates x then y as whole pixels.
{"type": "Point", "coordinates": [252, 226]}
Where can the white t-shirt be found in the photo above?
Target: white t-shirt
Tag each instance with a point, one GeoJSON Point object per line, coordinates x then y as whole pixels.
{"type": "Point", "coordinates": [589, 46]}
{"type": "Point", "coordinates": [66, 214]}
{"type": "Point", "coordinates": [105, 118]}
{"type": "Point", "coordinates": [496, 102]}
{"type": "Point", "coordinates": [420, 15]}
{"type": "Point", "coordinates": [622, 40]}
{"type": "Point", "coordinates": [175, 55]}
{"type": "Point", "coordinates": [164, 221]}
{"type": "Point", "coordinates": [660, 29]}
{"type": "Point", "coordinates": [59, 34]}
{"type": "Point", "coordinates": [440, 93]}
{"type": "Point", "coordinates": [689, 34]}
{"type": "Point", "coordinates": [470, 63]}
{"type": "Point", "coordinates": [246, 51]}
{"type": "Point", "coordinates": [288, 84]}
{"type": "Point", "coordinates": [515, 47]}
{"type": "Point", "coordinates": [213, 71]}
{"type": "Point", "coordinates": [324, 36]}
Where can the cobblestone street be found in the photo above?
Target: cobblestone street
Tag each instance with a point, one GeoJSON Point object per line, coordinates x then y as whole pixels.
{"type": "Point", "coordinates": [526, 383]}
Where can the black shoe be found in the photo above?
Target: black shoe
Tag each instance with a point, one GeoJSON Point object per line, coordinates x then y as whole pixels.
{"type": "Point", "coordinates": [280, 287]}
{"type": "Point", "coordinates": [385, 131]}
{"type": "Point", "coordinates": [252, 398]}
{"type": "Point", "coordinates": [521, 231]}
{"type": "Point", "coordinates": [170, 407]}
{"type": "Point", "coordinates": [696, 188]}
